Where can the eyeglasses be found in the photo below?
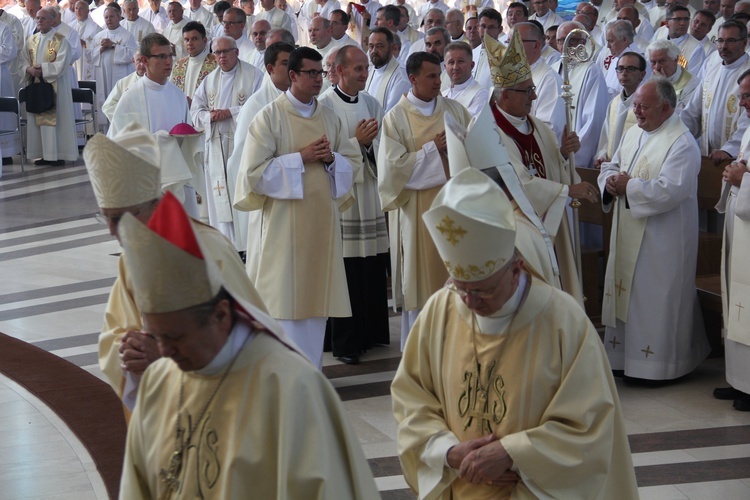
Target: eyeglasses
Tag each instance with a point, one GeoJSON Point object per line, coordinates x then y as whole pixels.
{"type": "Point", "coordinates": [724, 41]}
{"type": "Point", "coordinates": [313, 73]}
{"type": "Point", "coordinates": [115, 219]}
{"type": "Point", "coordinates": [225, 51]}
{"type": "Point", "coordinates": [528, 91]}
{"type": "Point", "coordinates": [161, 57]}
{"type": "Point", "coordinates": [680, 19]}
{"type": "Point", "coordinates": [229, 23]}
{"type": "Point", "coordinates": [627, 69]}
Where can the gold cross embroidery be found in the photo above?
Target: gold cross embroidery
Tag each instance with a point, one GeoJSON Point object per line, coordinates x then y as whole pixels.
{"type": "Point", "coordinates": [614, 342]}
{"type": "Point", "coordinates": [454, 233]}
{"type": "Point", "coordinates": [647, 351]}
{"type": "Point", "coordinates": [219, 188]}
{"type": "Point", "coordinates": [620, 288]}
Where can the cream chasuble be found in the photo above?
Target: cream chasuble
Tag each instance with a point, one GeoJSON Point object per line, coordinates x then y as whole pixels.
{"type": "Point", "coordinates": [654, 327]}
{"type": "Point", "coordinates": [275, 429]}
{"type": "Point", "coordinates": [417, 268]}
{"type": "Point", "coordinates": [300, 269]}
{"type": "Point", "coordinates": [524, 387]}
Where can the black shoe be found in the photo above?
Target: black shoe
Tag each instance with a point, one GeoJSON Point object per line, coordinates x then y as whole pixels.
{"type": "Point", "coordinates": [57, 163]}
{"type": "Point", "coordinates": [42, 161]}
{"type": "Point", "coordinates": [349, 360]}
{"type": "Point", "coordinates": [742, 403]}
{"type": "Point", "coordinates": [727, 393]}
{"type": "Point", "coordinates": [7, 160]}
{"type": "Point", "coordinates": [618, 373]}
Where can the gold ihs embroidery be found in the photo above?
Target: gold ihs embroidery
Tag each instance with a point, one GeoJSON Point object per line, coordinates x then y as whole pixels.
{"type": "Point", "coordinates": [483, 400]}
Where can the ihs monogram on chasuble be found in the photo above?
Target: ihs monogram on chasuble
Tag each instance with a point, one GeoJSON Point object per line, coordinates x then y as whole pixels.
{"type": "Point", "coordinates": [483, 399]}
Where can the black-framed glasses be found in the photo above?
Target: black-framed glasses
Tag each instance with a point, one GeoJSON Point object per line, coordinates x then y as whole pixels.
{"type": "Point", "coordinates": [161, 57]}
{"type": "Point", "coordinates": [229, 23]}
{"type": "Point", "coordinates": [527, 91]}
{"type": "Point", "coordinates": [680, 19]}
{"type": "Point", "coordinates": [627, 69]}
{"type": "Point", "coordinates": [313, 73]}
{"type": "Point", "coordinates": [225, 51]}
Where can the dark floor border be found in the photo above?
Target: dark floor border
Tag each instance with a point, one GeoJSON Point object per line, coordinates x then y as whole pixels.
{"type": "Point", "coordinates": [87, 405]}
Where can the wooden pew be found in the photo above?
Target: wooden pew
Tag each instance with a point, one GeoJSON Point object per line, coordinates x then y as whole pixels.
{"type": "Point", "coordinates": [593, 260]}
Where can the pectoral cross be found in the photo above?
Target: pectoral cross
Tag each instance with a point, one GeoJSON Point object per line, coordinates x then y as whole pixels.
{"type": "Point", "coordinates": [647, 351]}
{"type": "Point", "coordinates": [614, 342]}
{"type": "Point", "coordinates": [532, 171]}
{"type": "Point", "coordinates": [740, 307]}
{"type": "Point", "coordinates": [219, 188]}
{"type": "Point", "coordinates": [620, 288]}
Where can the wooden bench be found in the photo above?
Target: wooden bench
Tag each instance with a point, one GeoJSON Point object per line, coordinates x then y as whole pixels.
{"type": "Point", "coordinates": [593, 260]}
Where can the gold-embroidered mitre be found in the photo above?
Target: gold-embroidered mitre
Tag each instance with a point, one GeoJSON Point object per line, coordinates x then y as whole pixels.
{"type": "Point", "coordinates": [472, 224]}
{"type": "Point", "coordinates": [124, 170]}
{"type": "Point", "coordinates": [508, 66]}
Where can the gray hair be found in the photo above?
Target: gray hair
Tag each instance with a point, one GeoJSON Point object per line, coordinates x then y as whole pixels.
{"type": "Point", "coordinates": [665, 91]}
{"type": "Point", "coordinates": [460, 15]}
{"type": "Point", "coordinates": [622, 29]}
{"type": "Point", "coordinates": [286, 35]}
{"type": "Point", "coordinates": [673, 51]}
{"type": "Point", "coordinates": [437, 30]}
{"type": "Point", "coordinates": [232, 42]}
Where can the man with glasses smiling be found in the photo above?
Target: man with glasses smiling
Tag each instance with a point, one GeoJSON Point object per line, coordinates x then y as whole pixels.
{"type": "Point", "coordinates": [298, 171]}
{"type": "Point", "coordinates": [470, 424]}
{"type": "Point", "coordinates": [714, 115]}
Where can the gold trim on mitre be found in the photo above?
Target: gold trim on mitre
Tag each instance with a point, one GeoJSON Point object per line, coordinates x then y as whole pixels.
{"type": "Point", "coordinates": [167, 277]}
{"type": "Point", "coordinates": [124, 170]}
{"type": "Point", "coordinates": [472, 224]}
{"type": "Point", "coordinates": [508, 66]}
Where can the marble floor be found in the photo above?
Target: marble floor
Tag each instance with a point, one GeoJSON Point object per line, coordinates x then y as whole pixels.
{"type": "Point", "coordinates": [57, 265]}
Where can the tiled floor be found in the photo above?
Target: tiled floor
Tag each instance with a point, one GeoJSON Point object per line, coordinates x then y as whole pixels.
{"type": "Point", "coordinates": [57, 265]}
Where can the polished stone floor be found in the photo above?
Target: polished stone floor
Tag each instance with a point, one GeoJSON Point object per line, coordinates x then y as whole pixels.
{"type": "Point", "coordinates": [57, 265]}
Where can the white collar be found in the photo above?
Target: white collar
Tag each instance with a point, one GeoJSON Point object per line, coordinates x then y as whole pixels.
{"type": "Point", "coordinates": [234, 343]}
{"type": "Point", "coordinates": [463, 86]}
{"type": "Point", "coordinates": [299, 105]}
{"type": "Point", "coordinates": [426, 108]}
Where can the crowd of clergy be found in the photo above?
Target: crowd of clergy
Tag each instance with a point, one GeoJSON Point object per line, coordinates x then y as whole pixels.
{"type": "Point", "coordinates": [273, 170]}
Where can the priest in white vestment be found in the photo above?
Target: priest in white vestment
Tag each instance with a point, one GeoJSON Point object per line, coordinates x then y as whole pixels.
{"type": "Point", "coordinates": [156, 14]}
{"type": "Point", "coordinates": [386, 80]}
{"type": "Point", "coordinates": [678, 23]}
{"type": "Point", "coordinates": [713, 114]}
{"type": "Point", "coordinates": [299, 169]}
{"type": "Point", "coordinates": [654, 329]}
{"type": "Point", "coordinates": [363, 225]}
{"type": "Point", "coordinates": [620, 37]}
{"type": "Point", "coordinates": [412, 165]}
{"type": "Point", "coordinates": [122, 85]}
{"type": "Point", "coordinates": [275, 82]}
{"type": "Point", "coordinates": [111, 54]}
{"type": "Point", "coordinates": [470, 425]}
{"type": "Point", "coordinates": [214, 110]}
{"type": "Point", "coordinates": [664, 57]}
{"type": "Point", "coordinates": [9, 144]}
{"type": "Point", "coordinates": [544, 14]}
{"type": "Point", "coordinates": [173, 30]}
{"type": "Point", "coordinates": [251, 416]}
{"type": "Point", "coordinates": [19, 35]}
{"type": "Point", "coordinates": [277, 17]}
{"type": "Point", "coordinates": [135, 24]}
{"type": "Point", "coordinates": [735, 205]}
{"type": "Point", "coordinates": [234, 26]}
{"type": "Point", "coordinates": [188, 72]}
{"type": "Point", "coordinates": [590, 97]}
{"type": "Point", "coordinates": [464, 88]}
{"type": "Point", "coordinates": [87, 30]}
{"type": "Point", "coordinates": [196, 12]}
{"type": "Point", "coordinates": [490, 24]}
{"type": "Point", "coordinates": [619, 116]}
{"type": "Point", "coordinates": [51, 136]}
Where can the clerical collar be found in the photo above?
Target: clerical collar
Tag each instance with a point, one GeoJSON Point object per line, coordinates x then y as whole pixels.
{"type": "Point", "coordinates": [231, 71]}
{"type": "Point", "coordinates": [497, 322]}
{"type": "Point", "coordinates": [382, 68]}
{"type": "Point", "coordinates": [669, 120]}
{"type": "Point", "coordinates": [148, 82]}
{"type": "Point", "coordinates": [236, 340]}
{"type": "Point", "coordinates": [199, 57]}
{"type": "Point", "coordinates": [305, 109]}
{"type": "Point", "coordinates": [736, 63]}
{"type": "Point", "coordinates": [521, 123]}
{"type": "Point", "coordinates": [678, 40]}
{"type": "Point", "coordinates": [346, 97]}
{"type": "Point", "coordinates": [677, 74]}
{"type": "Point", "coordinates": [424, 107]}
{"type": "Point", "coordinates": [463, 86]}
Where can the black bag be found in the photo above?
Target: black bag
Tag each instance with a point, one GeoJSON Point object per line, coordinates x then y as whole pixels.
{"type": "Point", "coordinates": [40, 96]}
